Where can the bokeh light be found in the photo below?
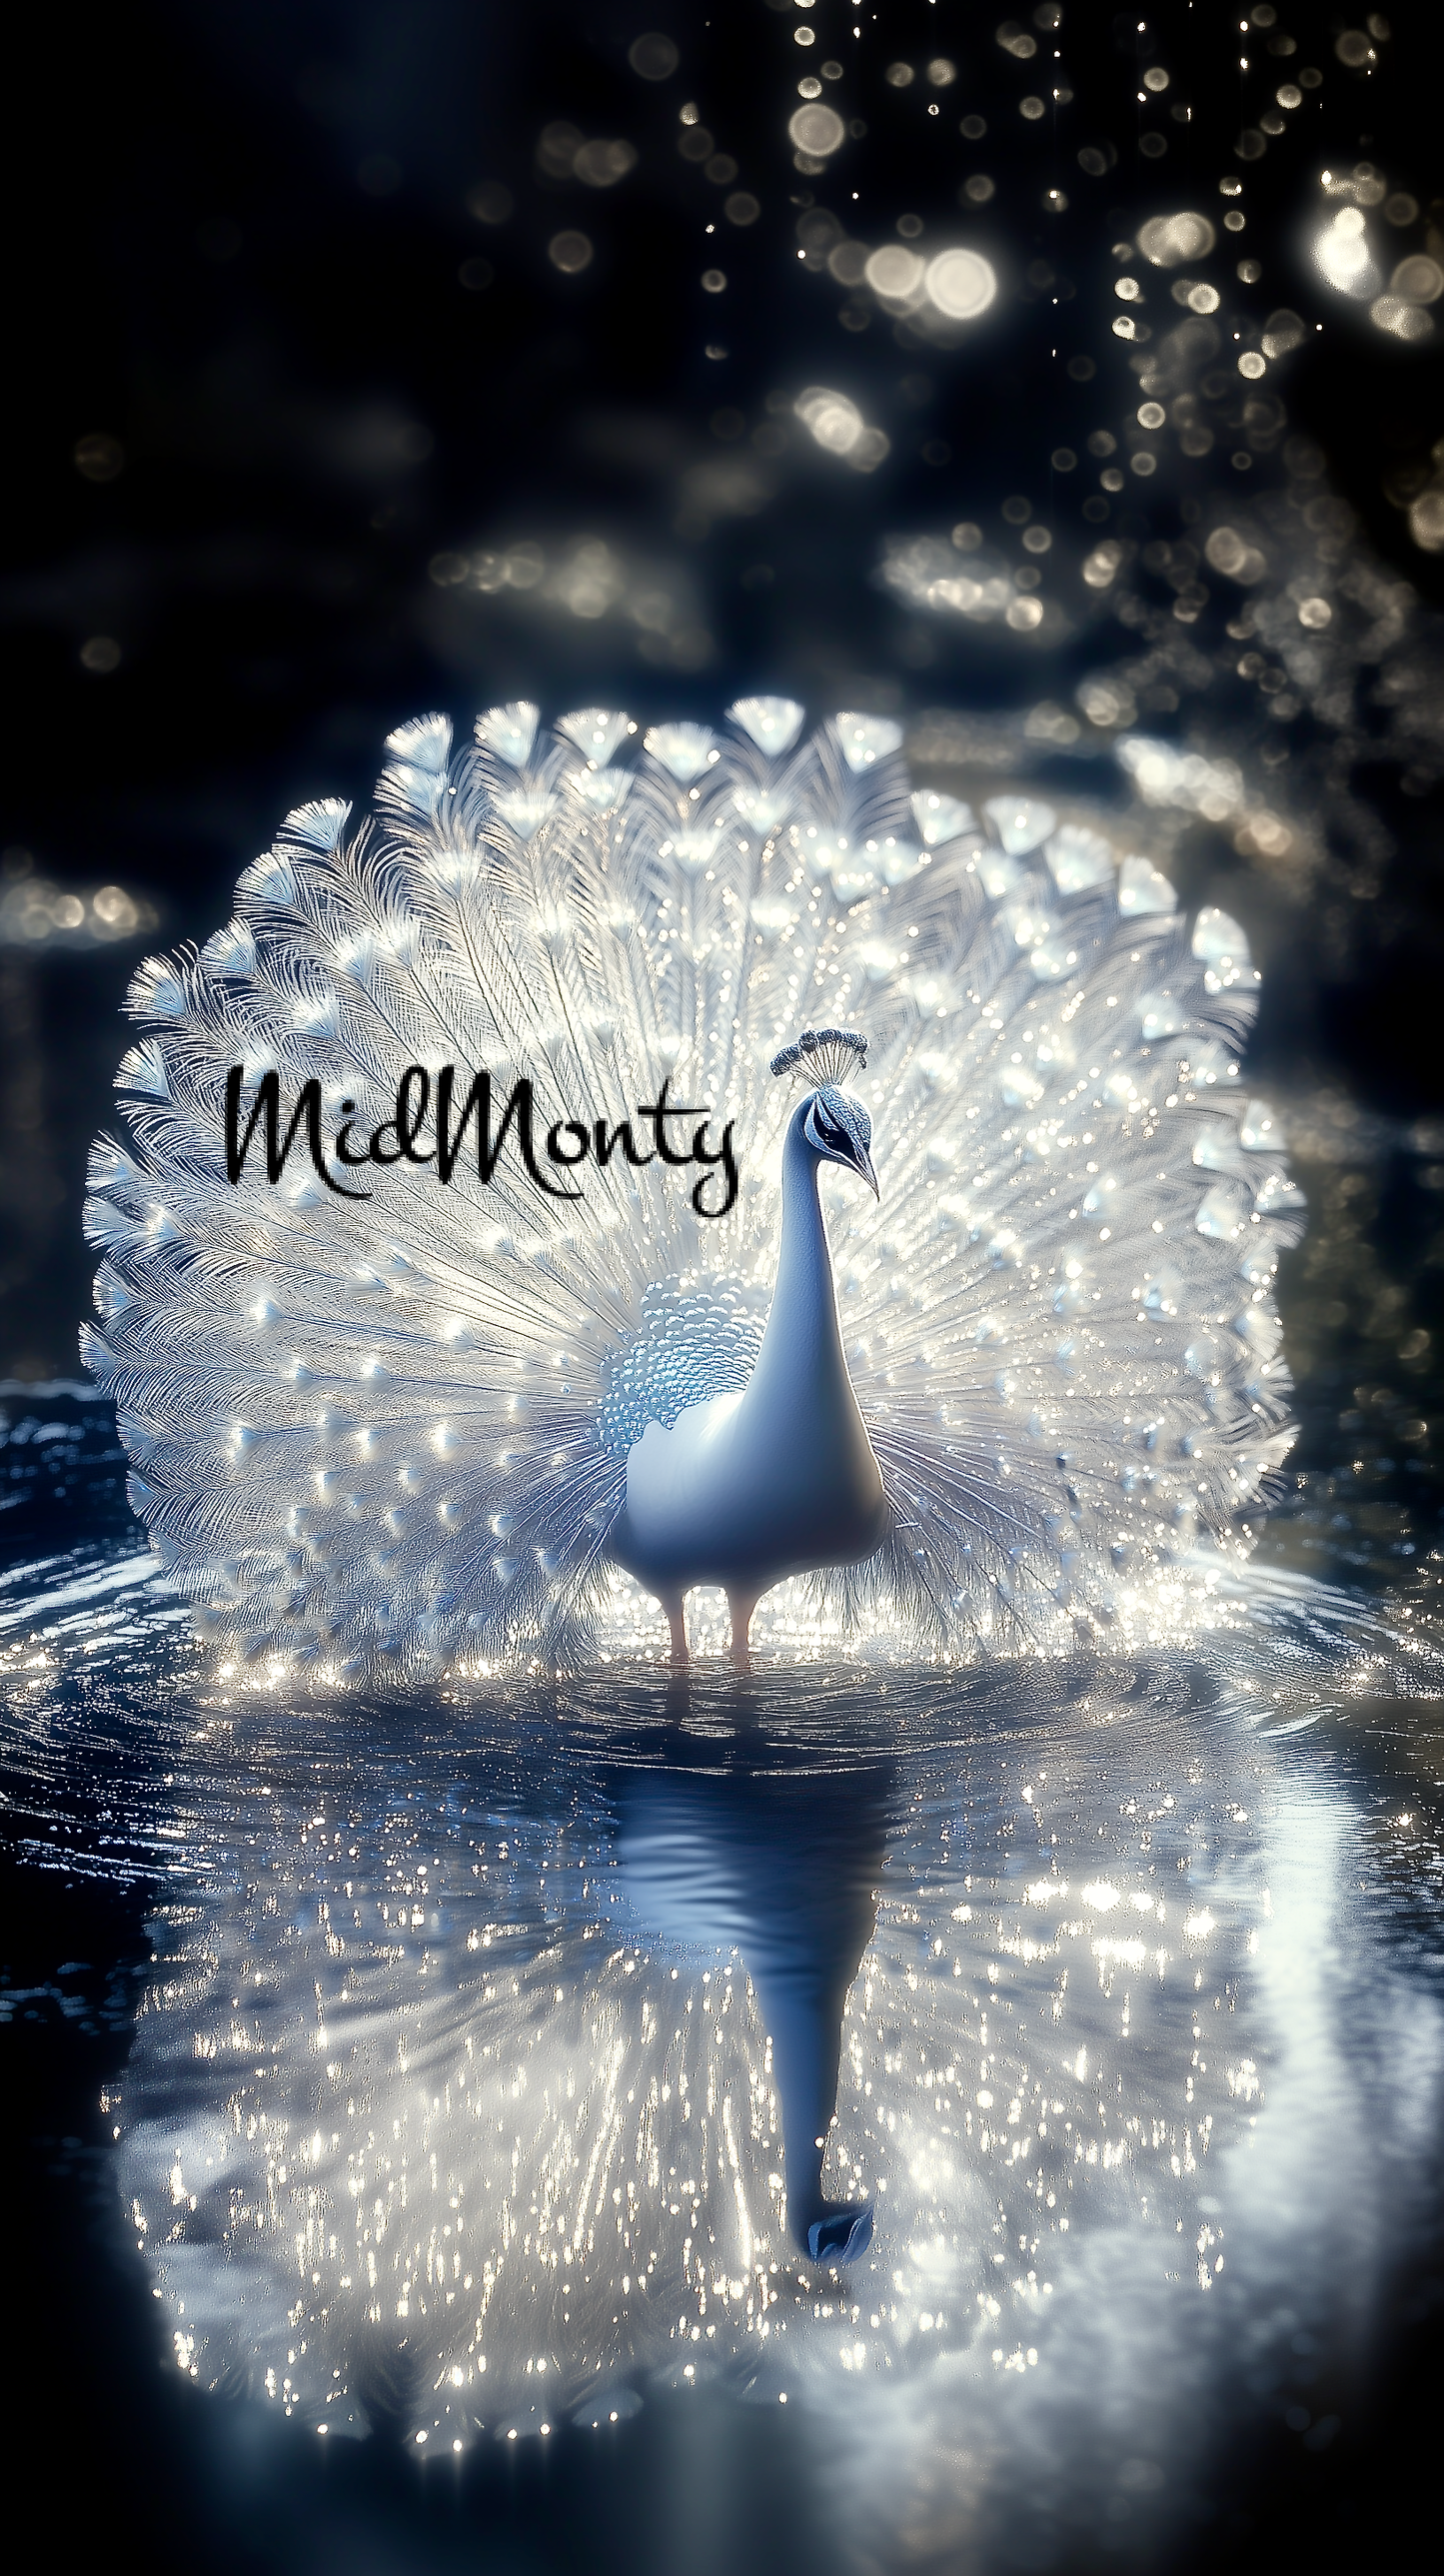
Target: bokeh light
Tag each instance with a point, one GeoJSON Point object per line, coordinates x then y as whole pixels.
{"type": "Point", "coordinates": [1343, 255]}
{"type": "Point", "coordinates": [570, 251]}
{"type": "Point", "coordinates": [838, 425]}
{"type": "Point", "coordinates": [1167, 240]}
{"type": "Point", "coordinates": [961, 283]}
{"type": "Point", "coordinates": [894, 273]}
{"type": "Point", "coordinates": [817, 130]}
{"type": "Point", "coordinates": [653, 58]}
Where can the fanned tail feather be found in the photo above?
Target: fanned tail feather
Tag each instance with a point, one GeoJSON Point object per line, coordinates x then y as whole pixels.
{"type": "Point", "coordinates": [392, 1430]}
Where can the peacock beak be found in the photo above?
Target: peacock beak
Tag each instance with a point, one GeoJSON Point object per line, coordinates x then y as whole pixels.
{"type": "Point", "coordinates": [866, 1172]}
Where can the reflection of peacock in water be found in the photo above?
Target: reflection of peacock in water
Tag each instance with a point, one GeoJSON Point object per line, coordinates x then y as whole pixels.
{"type": "Point", "coordinates": [440, 1423]}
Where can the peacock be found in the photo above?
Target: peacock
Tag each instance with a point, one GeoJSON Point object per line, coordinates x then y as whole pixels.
{"type": "Point", "coordinates": [632, 1162]}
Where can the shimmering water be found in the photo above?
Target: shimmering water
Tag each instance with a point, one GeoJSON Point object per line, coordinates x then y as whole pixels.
{"type": "Point", "coordinates": [500, 2049]}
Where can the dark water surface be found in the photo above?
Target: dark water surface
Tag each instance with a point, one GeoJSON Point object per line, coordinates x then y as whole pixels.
{"type": "Point", "coordinates": [471, 2070]}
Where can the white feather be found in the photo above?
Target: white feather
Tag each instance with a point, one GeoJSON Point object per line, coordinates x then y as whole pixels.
{"type": "Point", "coordinates": [1058, 1320]}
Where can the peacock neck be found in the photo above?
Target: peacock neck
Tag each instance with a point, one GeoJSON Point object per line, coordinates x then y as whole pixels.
{"type": "Point", "coordinates": [801, 1361]}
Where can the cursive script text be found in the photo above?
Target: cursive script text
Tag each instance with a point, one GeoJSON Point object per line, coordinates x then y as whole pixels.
{"type": "Point", "coordinates": [429, 1127]}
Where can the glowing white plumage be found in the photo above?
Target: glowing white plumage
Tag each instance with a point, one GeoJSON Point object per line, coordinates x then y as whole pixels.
{"type": "Point", "coordinates": [780, 1479]}
{"type": "Point", "coordinates": [437, 1424]}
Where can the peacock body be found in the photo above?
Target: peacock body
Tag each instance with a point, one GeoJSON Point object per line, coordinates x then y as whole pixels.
{"type": "Point", "coordinates": [384, 1415]}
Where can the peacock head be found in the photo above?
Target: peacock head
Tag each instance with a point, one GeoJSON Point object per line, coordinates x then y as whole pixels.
{"type": "Point", "coordinates": [837, 1128]}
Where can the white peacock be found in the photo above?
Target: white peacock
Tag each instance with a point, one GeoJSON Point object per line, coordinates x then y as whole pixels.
{"type": "Point", "coordinates": [441, 1427]}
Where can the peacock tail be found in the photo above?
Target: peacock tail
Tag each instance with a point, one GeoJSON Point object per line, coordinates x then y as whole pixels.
{"type": "Point", "coordinates": [391, 1432]}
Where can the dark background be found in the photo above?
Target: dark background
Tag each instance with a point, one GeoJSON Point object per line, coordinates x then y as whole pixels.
{"type": "Point", "coordinates": [274, 385]}
{"type": "Point", "coordinates": [261, 402]}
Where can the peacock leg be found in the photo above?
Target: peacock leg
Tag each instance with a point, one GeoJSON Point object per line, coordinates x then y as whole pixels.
{"type": "Point", "coordinates": [676, 1621]}
{"type": "Point", "coordinates": [741, 1606]}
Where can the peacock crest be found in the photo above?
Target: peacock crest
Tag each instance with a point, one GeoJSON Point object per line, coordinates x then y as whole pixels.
{"type": "Point", "coordinates": [826, 1056]}
{"type": "Point", "coordinates": [390, 1429]}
